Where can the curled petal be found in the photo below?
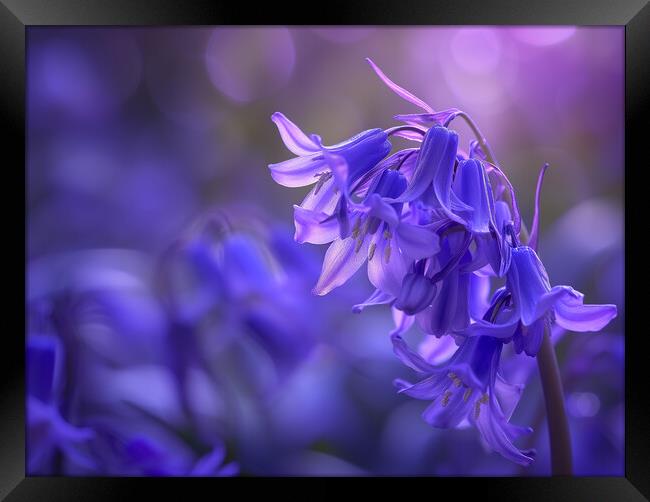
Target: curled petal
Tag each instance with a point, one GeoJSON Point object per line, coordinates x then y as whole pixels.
{"type": "Point", "coordinates": [499, 434]}
{"type": "Point", "coordinates": [294, 139]}
{"type": "Point", "coordinates": [571, 314]}
{"type": "Point", "coordinates": [376, 298]}
{"type": "Point", "coordinates": [408, 357]}
{"type": "Point", "coordinates": [403, 322]}
{"type": "Point", "coordinates": [403, 93]}
{"type": "Point", "coordinates": [342, 259]}
{"type": "Point", "coordinates": [314, 227]}
{"type": "Point", "coordinates": [298, 172]}
{"type": "Point", "coordinates": [429, 119]}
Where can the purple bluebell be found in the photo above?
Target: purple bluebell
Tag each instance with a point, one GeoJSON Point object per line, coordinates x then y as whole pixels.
{"type": "Point", "coordinates": [48, 433]}
{"type": "Point", "coordinates": [535, 304]}
{"type": "Point", "coordinates": [468, 390]}
{"type": "Point", "coordinates": [446, 222]}
{"type": "Point", "coordinates": [380, 234]}
{"type": "Point", "coordinates": [361, 152]}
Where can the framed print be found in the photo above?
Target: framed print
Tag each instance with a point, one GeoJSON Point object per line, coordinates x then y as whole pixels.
{"type": "Point", "coordinates": [305, 248]}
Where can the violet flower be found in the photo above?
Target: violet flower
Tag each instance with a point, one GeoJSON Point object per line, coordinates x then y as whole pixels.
{"type": "Point", "coordinates": [467, 390]}
{"type": "Point", "coordinates": [534, 304]}
{"type": "Point", "coordinates": [435, 224]}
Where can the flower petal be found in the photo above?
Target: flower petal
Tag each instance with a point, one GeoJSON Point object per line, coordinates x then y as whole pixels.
{"type": "Point", "coordinates": [314, 227]}
{"type": "Point", "coordinates": [437, 350]}
{"type": "Point", "coordinates": [571, 314]}
{"type": "Point", "coordinates": [435, 164]}
{"type": "Point", "coordinates": [416, 242]}
{"type": "Point", "coordinates": [340, 263]}
{"type": "Point", "coordinates": [499, 434]}
{"type": "Point", "coordinates": [429, 119]}
{"type": "Point", "coordinates": [294, 139]}
{"type": "Point", "coordinates": [323, 197]}
{"type": "Point", "coordinates": [403, 93]}
{"type": "Point", "coordinates": [408, 357]}
{"type": "Point", "coordinates": [298, 172]}
{"type": "Point", "coordinates": [387, 268]}
{"type": "Point", "coordinates": [403, 322]}
{"type": "Point", "coordinates": [472, 186]}
{"type": "Point", "coordinates": [376, 298]}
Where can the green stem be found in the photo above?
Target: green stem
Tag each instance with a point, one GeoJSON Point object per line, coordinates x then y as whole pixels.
{"type": "Point", "coordinates": [558, 425]}
{"type": "Point", "coordinates": [489, 154]}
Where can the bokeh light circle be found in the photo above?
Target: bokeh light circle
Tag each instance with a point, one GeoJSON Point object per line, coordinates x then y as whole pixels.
{"type": "Point", "coordinates": [249, 64]}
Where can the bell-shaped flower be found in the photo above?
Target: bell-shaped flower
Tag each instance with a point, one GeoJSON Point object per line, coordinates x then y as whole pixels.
{"type": "Point", "coordinates": [467, 390]}
{"type": "Point", "coordinates": [361, 152]}
{"type": "Point", "coordinates": [379, 233]}
{"type": "Point", "coordinates": [534, 304]}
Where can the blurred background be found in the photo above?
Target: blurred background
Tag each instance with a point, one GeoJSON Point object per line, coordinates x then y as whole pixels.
{"type": "Point", "coordinates": [148, 148]}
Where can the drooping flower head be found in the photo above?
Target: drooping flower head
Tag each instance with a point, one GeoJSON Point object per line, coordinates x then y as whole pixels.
{"type": "Point", "coordinates": [435, 223]}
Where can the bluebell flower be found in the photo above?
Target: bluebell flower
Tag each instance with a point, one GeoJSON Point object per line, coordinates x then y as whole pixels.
{"type": "Point", "coordinates": [380, 234]}
{"type": "Point", "coordinates": [361, 152]}
{"type": "Point", "coordinates": [468, 390]}
{"type": "Point", "coordinates": [535, 304]}
{"type": "Point", "coordinates": [48, 433]}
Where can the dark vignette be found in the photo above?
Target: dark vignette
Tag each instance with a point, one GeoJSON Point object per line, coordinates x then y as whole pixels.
{"type": "Point", "coordinates": [16, 15]}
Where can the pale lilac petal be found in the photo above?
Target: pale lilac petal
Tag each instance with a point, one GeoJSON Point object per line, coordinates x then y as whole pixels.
{"type": "Point", "coordinates": [508, 395]}
{"type": "Point", "coordinates": [314, 227]}
{"type": "Point", "coordinates": [499, 434]}
{"type": "Point", "coordinates": [437, 350]}
{"type": "Point", "coordinates": [323, 198]}
{"type": "Point", "coordinates": [572, 314]}
{"type": "Point", "coordinates": [294, 139]}
{"type": "Point", "coordinates": [410, 135]}
{"type": "Point", "coordinates": [403, 322]}
{"type": "Point", "coordinates": [408, 357]}
{"type": "Point", "coordinates": [340, 263]}
{"type": "Point", "coordinates": [298, 172]}
{"type": "Point", "coordinates": [386, 274]}
{"type": "Point", "coordinates": [427, 389]}
{"type": "Point", "coordinates": [403, 93]}
{"type": "Point", "coordinates": [376, 298]}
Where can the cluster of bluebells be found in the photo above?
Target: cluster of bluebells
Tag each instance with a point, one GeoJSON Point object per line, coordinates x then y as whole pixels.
{"type": "Point", "coordinates": [436, 225]}
{"type": "Point", "coordinates": [120, 346]}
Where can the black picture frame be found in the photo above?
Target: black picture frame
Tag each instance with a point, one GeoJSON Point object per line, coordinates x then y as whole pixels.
{"type": "Point", "coordinates": [16, 16]}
